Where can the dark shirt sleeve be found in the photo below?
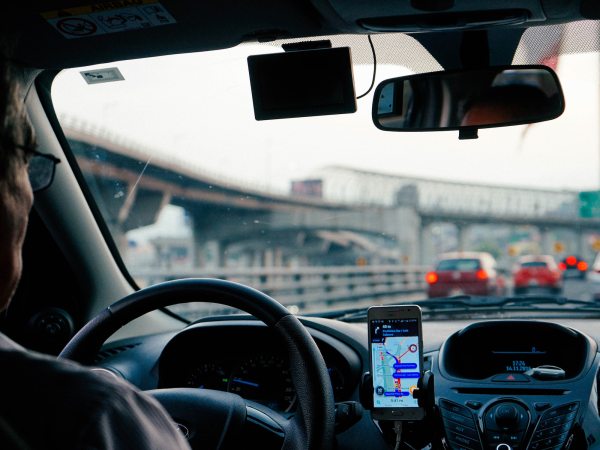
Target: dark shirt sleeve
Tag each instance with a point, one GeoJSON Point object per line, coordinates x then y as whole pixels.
{"type": "Point", "coordinates": [130, 420]}
{"type": "Point", "coordinates": [58, 404]}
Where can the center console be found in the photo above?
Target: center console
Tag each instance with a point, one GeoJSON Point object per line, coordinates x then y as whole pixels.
{"type": "Point", "coordinates": [514, 385]}
{"type": "Point", "coordinates": [507, 424]}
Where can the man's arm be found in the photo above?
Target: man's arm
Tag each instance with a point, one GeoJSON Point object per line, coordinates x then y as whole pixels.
{"type": "Point", "coordinates": [128, 420]}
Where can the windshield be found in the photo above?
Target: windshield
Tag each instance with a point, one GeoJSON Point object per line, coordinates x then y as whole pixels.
{"type": "Point", "coordinates": [458, 264]}
{"type": "Point", "coordinates": [534, 264]}
{"type": "Point", "coordinates": [329, 212]}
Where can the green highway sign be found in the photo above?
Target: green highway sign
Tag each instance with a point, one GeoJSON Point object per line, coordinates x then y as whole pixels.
{"type": "Point", "coordinates": [589, 204]}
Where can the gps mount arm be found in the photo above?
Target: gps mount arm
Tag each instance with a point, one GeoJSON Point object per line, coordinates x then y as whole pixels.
{"type": "Point", "coordinates": [425, 393]}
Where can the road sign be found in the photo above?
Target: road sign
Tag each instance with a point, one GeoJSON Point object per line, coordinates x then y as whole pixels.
{"type": "Point", "coordinates": [589, 204]}
{"type": "Point", "coordinates": [559, 247]}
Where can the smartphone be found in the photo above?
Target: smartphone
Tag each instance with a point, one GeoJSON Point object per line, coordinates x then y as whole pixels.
{"type": "Point", "coordinates": [396, 353]}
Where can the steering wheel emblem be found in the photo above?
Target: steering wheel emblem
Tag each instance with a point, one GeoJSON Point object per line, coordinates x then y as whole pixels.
{"type": "Point", "coordinates": [183, 429]}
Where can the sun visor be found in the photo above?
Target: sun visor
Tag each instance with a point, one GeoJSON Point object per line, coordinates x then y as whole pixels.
{"type": "Point", "coordinates": [302, 83]}
{"type": "Point", "coordinates": [434, 15]}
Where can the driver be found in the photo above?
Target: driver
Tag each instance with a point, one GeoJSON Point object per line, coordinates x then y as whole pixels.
{"type": "Point", "coordinates": [45, 402]}
{"type": "Point", "coordinates": [508, 104]}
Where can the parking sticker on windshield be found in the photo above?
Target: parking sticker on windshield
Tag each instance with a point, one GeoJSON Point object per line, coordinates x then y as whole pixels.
{"type": "Point", "coordinates": [102, 75]}
{"type": "Point", "coordinates": [104, 18]}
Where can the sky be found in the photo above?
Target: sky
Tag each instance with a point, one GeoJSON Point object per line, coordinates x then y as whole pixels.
{"type": "Point", "coordinates": [197, 109]}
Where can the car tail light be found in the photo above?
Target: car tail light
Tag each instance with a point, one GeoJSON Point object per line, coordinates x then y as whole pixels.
{"type": "Point", "coordinates": [431, 278]}
{"type": "Point", "coordinates": [562, 266]}
{"type": "Point", "coordinates": [481, 274]}
{"type": "Point", "coordinates": [571, 260]}
{"type": "Point", "coordinates": [582, 266]}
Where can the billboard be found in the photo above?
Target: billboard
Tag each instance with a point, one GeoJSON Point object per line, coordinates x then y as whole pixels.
{"type": "Point", "coordinates": [308, 188]}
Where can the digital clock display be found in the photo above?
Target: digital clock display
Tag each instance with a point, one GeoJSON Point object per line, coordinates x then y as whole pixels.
{"type": "Point", "coordinates": [519, 361]}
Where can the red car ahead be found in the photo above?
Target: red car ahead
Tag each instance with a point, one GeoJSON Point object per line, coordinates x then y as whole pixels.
{"type": "Point", "coordinates": [573, 266]}
{"type": "Point", "coordinates": [458, 273]}
{"type": "Point", "coordinates": [535, 273]}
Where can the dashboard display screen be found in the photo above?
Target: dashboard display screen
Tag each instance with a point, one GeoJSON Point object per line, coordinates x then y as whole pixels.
{"type": "Point", "coordinates": [488, 349]}
{"type": "Point", "coordinates": [395, 362]}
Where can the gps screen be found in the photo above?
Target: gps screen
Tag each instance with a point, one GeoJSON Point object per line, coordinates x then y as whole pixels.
{"type": "Point", "coordinates": [395, 362]}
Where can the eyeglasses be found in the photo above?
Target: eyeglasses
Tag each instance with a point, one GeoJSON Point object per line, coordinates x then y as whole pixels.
{"type": "Point", "coordinates": [41, 169]}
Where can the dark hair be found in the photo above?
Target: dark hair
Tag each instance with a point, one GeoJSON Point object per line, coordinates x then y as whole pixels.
{"type": "Point", "coordinates": [15, 129]}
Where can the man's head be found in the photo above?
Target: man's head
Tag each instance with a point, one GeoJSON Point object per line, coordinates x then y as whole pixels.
{"type": "Point", "coordinates": [16, 197]}
{"type": "Point", "coordinates": [507, 104]}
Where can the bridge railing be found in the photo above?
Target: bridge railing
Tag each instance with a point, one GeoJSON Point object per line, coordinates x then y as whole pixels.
{"type": "Point", "coordinates": [304, 289]}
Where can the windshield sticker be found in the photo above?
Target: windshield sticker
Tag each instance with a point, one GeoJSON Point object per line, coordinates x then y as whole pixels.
{"type": "Point", "coordinates": [104, 18]}
{"type": "Point", "coordinates": [102, 75]}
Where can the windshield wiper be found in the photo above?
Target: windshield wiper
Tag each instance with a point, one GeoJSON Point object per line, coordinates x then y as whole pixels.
{"type": "Point", "coordinates": [466, 303]}
{"type": "Point", "coordinates": [528, 300]}
{"type": "Point", "coordinates": [351, 314]}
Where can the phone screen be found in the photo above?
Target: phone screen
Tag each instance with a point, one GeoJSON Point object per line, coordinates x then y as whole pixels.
{"type": "Point", "coordinates": [395, 361]}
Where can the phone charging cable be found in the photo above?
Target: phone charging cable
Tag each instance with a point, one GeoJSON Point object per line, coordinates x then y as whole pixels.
{"type": "Point", "coordinates": [398, 430]}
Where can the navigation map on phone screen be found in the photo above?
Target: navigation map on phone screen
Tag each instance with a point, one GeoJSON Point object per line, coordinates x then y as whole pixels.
{"type": "Point", "coordinates": [395, 362]}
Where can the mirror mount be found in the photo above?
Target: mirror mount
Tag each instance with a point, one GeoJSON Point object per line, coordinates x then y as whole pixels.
{"type": "Point", "coordinates": [468, 133]}
{"type": "Point", "coordinates": [475, 49]}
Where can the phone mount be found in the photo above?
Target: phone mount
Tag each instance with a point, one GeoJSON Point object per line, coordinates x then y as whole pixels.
{"type": "Point", "coordinates": [424, 393]}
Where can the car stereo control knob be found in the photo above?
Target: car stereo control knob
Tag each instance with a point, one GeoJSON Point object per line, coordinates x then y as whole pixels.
{"type": "Point", "coordinates": [503, 447]}
{"type": "Point", "coordinates": [507, 416]}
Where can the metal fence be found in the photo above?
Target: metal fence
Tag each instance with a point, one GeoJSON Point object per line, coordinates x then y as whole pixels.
{"type": "Point", "coordinates": [305, 289]}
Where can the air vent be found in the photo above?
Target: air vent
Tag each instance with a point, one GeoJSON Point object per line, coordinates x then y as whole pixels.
{"type": "Point", "coordinates": [110, 352]}
{"type": "Point", "coordinates": [511, 391]}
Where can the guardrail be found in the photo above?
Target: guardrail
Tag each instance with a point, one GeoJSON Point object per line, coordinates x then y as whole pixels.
{"type": "Point", "coordinates": [305, 288]}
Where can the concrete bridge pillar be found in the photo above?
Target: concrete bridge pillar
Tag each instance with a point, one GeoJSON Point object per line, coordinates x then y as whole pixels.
{"type": "Point", "coordinates": [278, 257]}
{"type": "Point", "coordinates": [408, 234]}
{"type": "Point", "coordinates": [269, 257]}
{"type": "Point", "coordinates": [426, 244]}
{"type": "Point", "coordinates": [408, 221]}
{"type": "Point", "coordinates": [462, 231]}
{"type": "Point", "coordinates": [257, 258]}
{"type": "Point", "coordinates": [583, 249]}
{"type": "Point", "coordinates": [210, 254]}
{"type": "Point", "coordinates": [545, 244]}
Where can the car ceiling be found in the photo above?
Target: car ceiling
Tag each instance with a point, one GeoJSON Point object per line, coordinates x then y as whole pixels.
{"type": "Point", "coordinates": [215, 24]}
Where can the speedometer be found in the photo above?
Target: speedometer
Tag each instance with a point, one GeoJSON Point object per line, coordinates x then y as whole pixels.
{"type": "Point", "coordinates": [207, 375]}
{"type": "Point", "coordinates": [265, 379]}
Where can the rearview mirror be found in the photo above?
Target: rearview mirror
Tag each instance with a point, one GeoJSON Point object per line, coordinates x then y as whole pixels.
{"type": "Point", "coordinates": [468, 99]}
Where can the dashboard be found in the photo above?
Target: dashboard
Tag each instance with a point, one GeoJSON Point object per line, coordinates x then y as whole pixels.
{"type": "Point", "coordinates": [499, 384]}
{"type": "Point", "coordinates": [248, 359]}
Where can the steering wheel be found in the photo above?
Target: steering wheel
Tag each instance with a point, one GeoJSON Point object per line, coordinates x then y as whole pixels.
{"type": "Point", "coordinates": [216, 419]}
